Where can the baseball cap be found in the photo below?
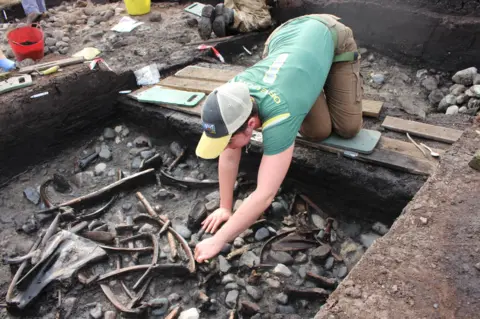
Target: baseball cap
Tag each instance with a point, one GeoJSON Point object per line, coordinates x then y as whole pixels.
{"type": "Point", "coordinates": [225, 110]}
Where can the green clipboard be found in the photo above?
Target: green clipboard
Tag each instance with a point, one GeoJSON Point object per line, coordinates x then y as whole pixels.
{"type": "Point", "coordinates": [159, 95]}
{"type": "Point", "coordinates": [195, 8]}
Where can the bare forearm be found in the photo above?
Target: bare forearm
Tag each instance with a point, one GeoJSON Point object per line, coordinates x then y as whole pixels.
{"type": "Point", "coordinates": [245, 216]}
{"type": "Point", "coordinates": [2, 56]}
{"type": "Point", "coordinates": [227, 171]}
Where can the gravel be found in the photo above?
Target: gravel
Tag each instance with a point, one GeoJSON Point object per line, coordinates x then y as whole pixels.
{"type": "Point", "coordinates": [282, 270]}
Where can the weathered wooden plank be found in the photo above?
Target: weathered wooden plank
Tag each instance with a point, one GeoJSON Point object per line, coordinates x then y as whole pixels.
{"type": "Point", "coordinates": [193, 85]}
{"type": "Point", "coordinates": [384, 157]}
{"type": "Point", "coordinates": [433, 132]}
{"type": "Point", "coordinates": [46, 65]}
{"type": "Point", "coordinates": [201, 73]}
{"type": "Point", "coordinates": [208, 79]}
{"type": "Point", "coordinates": [371, 108]}
{"type": "Point", "coordinates": [404, 147]}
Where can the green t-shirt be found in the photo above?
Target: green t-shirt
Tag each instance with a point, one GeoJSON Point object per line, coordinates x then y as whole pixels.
{"type": "Point", "coordinates": [289, 80]}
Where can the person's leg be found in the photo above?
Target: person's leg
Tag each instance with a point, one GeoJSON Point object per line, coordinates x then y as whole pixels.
{"type": "Point", "coordinates": [33, 9]}
{"type": "Point", "coordinates": [248, 15]}
{"type": "Point", "coordinates": [41, 6]}
{"type": "Point", "coordinates": [317, 125]}
{"type": "Point", "coordinates": [344, 92]}
{"type": "Point", "coordinates": [205, 24]}
{"type": "Point", "coordinates": [344, 87]}
{"type": "Point", "coordinates": [30, 6]}
{"type": "Point", "coordinates": [224, 17]}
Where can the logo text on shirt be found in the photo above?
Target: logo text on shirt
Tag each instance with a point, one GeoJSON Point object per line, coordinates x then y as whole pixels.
{"type": "Point", "coordinates": [271, 74]}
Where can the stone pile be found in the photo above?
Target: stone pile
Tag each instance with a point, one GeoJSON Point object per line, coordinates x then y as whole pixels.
{"type": "Point", "coordinates": [462, 97]}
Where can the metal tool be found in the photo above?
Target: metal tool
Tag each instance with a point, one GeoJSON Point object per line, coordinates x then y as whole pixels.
{"type": "Point", "coordinates": [418, 146]}
{"type": "Point", "coordinates": [432, 153]}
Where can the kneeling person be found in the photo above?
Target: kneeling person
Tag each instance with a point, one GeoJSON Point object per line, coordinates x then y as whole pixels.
{"type": "Point", "coordinates": [307, 82]}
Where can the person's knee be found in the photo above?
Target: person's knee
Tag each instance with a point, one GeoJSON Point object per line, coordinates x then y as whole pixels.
{"type": "Point", "coordinates": [349, 130]}
{"type": "Point", "coordinates": [316, 134]}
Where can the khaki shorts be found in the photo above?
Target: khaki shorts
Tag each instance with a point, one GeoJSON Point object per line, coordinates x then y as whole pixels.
{"type": "Point", "coordinates": [339, 106]}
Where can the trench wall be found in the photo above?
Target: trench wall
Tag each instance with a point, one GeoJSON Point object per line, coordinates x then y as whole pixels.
{"type": "Point", "coordinates": [437, 33]}
{"type": "Point", "coordinates": [34, 129]}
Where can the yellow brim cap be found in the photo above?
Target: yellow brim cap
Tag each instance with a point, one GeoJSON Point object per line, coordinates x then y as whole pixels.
{"type": "Point", "coordinates": [210, 148]}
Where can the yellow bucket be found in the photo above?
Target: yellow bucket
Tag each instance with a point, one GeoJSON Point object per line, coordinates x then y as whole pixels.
{"type": "Point", "coordinates": [137, 7]}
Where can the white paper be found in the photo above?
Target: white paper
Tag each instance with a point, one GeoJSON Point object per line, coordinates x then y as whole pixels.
{"type": "Point", "coordinates": [147, 75]}
{"type": "Point", "coordinates": [126, 24]}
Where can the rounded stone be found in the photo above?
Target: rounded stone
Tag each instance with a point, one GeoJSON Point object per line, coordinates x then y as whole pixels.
{"type": "Point", "coordinates": [255, 293]}
{"type": "Point", "coordinates": [159, 306]}
{"type": "Point", "coordinates": [329, 263]}
{"type": "Point", "coordinates": [231, 298]}
{"type": "Point", "coordinates": [435, 96]}
{"type": "Point", "coordinates": [378, 78]}
{"type": "Point", "coordinates": [281, 257]}
{"type": "Point", "coordinates": [452, 110]}
{"type": "Point", "coordinates": [262, 234]}
{"type": "Point", "coordinates": [342, 271]}
{"type": "Point", "coordinates": [155, 17]}
{"type": "Point", "coordinates": [319, 254]}
{"type": "Point", "coordinates": [465, 76]}
{"type": "Point", "coordinates": [457, 89]}
{"type": "Point", "coordinates": [109, 133]}
{"type": "Point", "coordinates": [238, 242]}
{"type": "Point", "coordinates": [282, 270]}
{"type": "Point", "coordinates": [282, 298]}
{"type": "Point", "coordinates": [100, 168]}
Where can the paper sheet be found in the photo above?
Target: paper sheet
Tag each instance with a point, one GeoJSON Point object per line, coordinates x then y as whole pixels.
{"type": "Point", "coordinates": [126, 24]}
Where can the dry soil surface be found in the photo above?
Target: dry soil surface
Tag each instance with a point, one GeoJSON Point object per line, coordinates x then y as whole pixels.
{"type": "Point", "coordinates": [428, 265]}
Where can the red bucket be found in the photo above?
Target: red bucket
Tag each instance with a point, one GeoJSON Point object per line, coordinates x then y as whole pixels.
{"type": "Point", "coordinates": [26, 42]}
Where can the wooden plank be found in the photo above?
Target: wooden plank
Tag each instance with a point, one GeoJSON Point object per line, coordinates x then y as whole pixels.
{"type": "Point", "coordinates": [371, 108]}
{"type": "Point", "coordinates": [394, 154]}
{"type": "Point", "coordinates": [433, 132]}
{"type": "Point", "coordinates": [200, 73]}
{"type": "Point", "coordinates": [405, 148]}
{"type": "Point", "coordinates": [204, 83]}
{"type": "Point", "coordinates": [384, 157]}
{"type": "Point", "coordinates": [190, 84]}
{"type": "Point", "coordinates": [46, 65]}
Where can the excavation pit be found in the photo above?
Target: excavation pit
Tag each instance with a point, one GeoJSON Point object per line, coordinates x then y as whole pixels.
{"type": "Point", "coordinates": [123, 145]}
{"type": "Point", "coordinates": [323, 203]}
{"type": "Point", "coordinates": [43, 137]}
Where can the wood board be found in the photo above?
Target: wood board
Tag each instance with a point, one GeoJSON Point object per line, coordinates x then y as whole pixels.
{"type": "Point", "coordinates": [390, 153]}
{"type": "Point", "coordinates": [405, 148]}
{"type": "Point", "coordinates": [433, 132]}
{"type": "Point", "coordinates": [371, 108]}
{"type": "Point", "coordinates": [46, 65]}
{"type": "Point", "coordinates": [195, 78]}
{"type": "Point", "coordinates": [190, 84]}
{"type": "Point", "coordinates": [200, 73]}
{"type": "Point", "coordinates": [384, 157]}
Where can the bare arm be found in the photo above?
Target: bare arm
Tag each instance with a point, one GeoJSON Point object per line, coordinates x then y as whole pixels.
{"type": "Point", "coordinates": [271, 174]}
{"type": "Point", "coordinates": [227, 171]}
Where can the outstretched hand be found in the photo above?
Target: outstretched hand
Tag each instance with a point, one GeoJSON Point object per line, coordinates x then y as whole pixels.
{"type": "Point", "coordinates": [207, 249]}
{"type": "Point", "coordinates": [215, 219]}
